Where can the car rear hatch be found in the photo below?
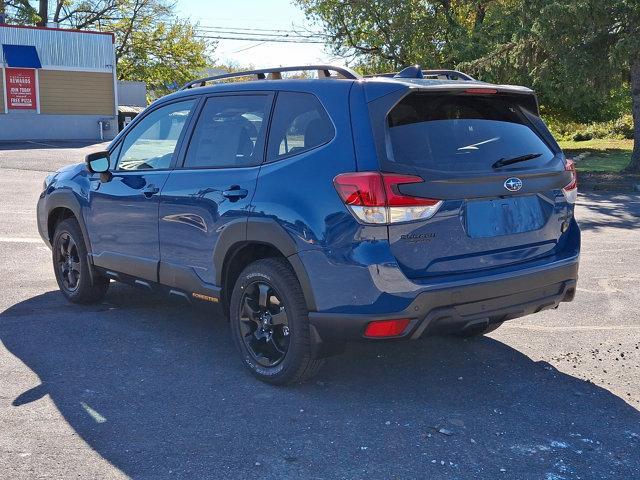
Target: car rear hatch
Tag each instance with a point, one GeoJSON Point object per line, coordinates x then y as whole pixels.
{"type": "Point", "coordinates": [487, 156]}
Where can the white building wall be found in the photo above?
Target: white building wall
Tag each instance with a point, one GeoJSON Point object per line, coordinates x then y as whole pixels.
{"type": "Point", "coordinates": [31, 126]}
{"type": "Point", "coordinates": [63, 50]}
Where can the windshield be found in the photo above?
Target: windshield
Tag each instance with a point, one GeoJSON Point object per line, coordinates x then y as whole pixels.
{"type": "Point", "coordinates": [462, 133]}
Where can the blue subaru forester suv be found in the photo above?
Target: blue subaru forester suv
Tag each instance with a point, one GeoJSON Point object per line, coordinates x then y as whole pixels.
{"type": "Point", "coordinates": [318, 211]}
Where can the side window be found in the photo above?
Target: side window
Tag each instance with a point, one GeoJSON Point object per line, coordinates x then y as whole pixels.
{"type": "Point", "coordinates": [300, 123]}
{"type": "Point", "coordinates": [151, 143]}
{"type": "Point", "coordinates": [230, 132]}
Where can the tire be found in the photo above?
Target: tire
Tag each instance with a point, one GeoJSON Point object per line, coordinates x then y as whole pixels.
{"type": "Point", "coordinates": [270, 324]}
{"type": "Point", "coordinates": [71, 266]}
{"type": "Point", "coordinates": [478, 331]}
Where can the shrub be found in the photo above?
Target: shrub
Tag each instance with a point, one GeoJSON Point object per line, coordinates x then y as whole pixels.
{"type": "Point", "coordinates": [624, 126]}
{"type": "Point", "coordinates": [581, 136]}
{"type": "Point", "coordinates": [621, 128]}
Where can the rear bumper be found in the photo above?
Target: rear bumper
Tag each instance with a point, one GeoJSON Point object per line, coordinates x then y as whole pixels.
{"type": "Point", "coordinates": [459, 307]}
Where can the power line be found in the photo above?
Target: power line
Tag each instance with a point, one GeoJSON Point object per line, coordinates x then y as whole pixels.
{"type": "Point", "coordinates": [230, 30]}
{"type": "Point", "coordinates": [245, 29]}
{"type": "Point", "coordinates": [276, 40]}
{"type": "Point", "coordinates": [262, 35]}
{"type": "Point", "coordinates": [248, 48]}
{"type": "Point", "coordinates": [259, 34]}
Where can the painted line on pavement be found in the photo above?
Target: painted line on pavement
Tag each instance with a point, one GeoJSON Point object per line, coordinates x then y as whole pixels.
{"type": "Point", "coordinates": [20, 240]}
{"type": "Point", "coordinates": [586, 328]}
{"type": "Point", "coordinates": [40, 143]}
{"type": "Point", "coordinates": [95, 415]}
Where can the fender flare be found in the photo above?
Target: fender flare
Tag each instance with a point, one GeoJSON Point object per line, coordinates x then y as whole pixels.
{"type": "Point", "coordinates": [66, 199]}
{"type": "Point", "coordinates": [266, 231]}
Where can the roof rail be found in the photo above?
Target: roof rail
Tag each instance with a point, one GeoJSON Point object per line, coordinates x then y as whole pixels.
{"type": "Point", "coordinates": [324, 71]}
{"type": "Point", "coordinates": [448, 74]}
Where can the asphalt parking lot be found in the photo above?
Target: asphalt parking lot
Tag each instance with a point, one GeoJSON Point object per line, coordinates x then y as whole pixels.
{"type": "Point", "coordinates": [146, 387]}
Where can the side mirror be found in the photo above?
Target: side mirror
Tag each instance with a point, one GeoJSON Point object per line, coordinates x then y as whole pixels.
{"type": "Point", "coordinates": [98, 162]}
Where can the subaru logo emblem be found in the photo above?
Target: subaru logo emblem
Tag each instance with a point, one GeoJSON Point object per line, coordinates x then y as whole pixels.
{"type": "Point", "coordinates": [513, 184]}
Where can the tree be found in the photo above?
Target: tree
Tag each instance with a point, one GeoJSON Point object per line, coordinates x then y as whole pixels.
{"type": "Point", "coordinates": [390, 34]}
{"type": "Point", "coordinates": [380, 35]}
{"type": "Point", "coordinates": [77, 14]}
{"type": "Point", "coordinates": [162, 55]}
{"type": "Point", "coordinates": [577, 54]}
{"type": "Point", "coordinates": [152, 44]}
{"type": "Point", "coordinates": [598, 43]}
{"type": "Point", "coordinates": [43, 13]}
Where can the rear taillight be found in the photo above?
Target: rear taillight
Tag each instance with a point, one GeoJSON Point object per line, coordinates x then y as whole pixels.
{"type": "Point", "coordinates": [374, 197]}
{"type": "Point", "coordinates": [571, 190]}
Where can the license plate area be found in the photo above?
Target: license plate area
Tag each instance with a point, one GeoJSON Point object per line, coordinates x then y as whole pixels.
{"type": "Point", "coordinates": [504, 216]}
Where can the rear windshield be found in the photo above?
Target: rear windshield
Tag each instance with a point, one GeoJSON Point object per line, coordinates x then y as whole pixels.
{"type": "Point", "coordinates": [462, 133]}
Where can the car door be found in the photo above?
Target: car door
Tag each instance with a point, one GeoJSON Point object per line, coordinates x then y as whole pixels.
{"type": "Point", "coordinates": [122, 212]}
{"type": "Point", "coordinates": [213, 187]}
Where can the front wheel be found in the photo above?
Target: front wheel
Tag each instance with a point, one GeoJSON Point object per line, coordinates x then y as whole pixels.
{"type": "Point", "coordinates": [71, 265]}
{"type": "Point", "coordinates": [269, 323]}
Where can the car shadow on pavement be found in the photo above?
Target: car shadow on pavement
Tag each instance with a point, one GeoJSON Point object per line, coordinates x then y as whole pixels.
{"type": "Point", "coordinates": [610, 210]}
{"type": "Point", "coordinates": [156, 388]}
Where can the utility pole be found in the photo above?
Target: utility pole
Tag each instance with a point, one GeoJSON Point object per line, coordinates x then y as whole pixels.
{"type": "Point", "coordinates": [2, 12]}
{"type": "Point", "coordinates": [43, 13]}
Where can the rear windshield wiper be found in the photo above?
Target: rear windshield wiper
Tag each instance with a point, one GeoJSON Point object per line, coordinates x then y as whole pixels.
{"type": "Point", "coordinates": [522, 158]}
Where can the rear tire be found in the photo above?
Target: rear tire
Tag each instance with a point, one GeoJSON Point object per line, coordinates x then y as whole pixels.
{"type": "Point", "coordinates": [71, 266]}
{"type": "Point", "coordinates": [478, 331]}
{"type": "Point", "coordinates": [270, 324]}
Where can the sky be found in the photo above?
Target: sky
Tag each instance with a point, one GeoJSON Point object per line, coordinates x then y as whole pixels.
{"type": "Point", "coordinates": [255, 15]}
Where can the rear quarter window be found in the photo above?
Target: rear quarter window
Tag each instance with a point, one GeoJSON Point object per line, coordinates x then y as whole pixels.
{"type": "Point", "coordinates": [458, 133]}
{"type": "Point", "coordinates": [300, 123]}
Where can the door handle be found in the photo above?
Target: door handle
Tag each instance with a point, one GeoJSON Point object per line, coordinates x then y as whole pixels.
{"type": "Point", "coordinates": [235, 193]}
{"type": "Point", "coordinates": [150, 191]}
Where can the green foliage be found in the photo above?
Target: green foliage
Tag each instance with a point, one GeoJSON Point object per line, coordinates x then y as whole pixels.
{"type": "Point", "coordinates": [385, 35]}
{"type": "Point", "coordinates": [596, 145]}
{"type": "Point", "coordinates": [381, 35]}
{"type": "Point", "coordinates": [162, 55]}
{"type": "Point", "coordinates": [609, 162]}
{"type": "Point", "coordinates": [574, 53]}
{"type": "Point", "coordinates": [621, 128]}
{"type": "Point", "coordinates": [581, 56]}
{"type": "Point", "coordinates": [21, 12]}
{"type": "Point", "coordinates": [571, 52]}
{"type": "Point", "coordinates": [154, 46]}
{"type": "Point", "coordinates": [606, 156]}
{"type": "Point", "coordinates": [588, 47]}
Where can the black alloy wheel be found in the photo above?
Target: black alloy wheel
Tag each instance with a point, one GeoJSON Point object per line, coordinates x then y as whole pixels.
{"type": "Point", "coordinates": [264, 324]}
{"type": "Point", "coordinates": [270, 323]}
{"type": "Point", "coordinates": [77, 280]}
{"type": "Point", "coordinates": [68, 261]}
